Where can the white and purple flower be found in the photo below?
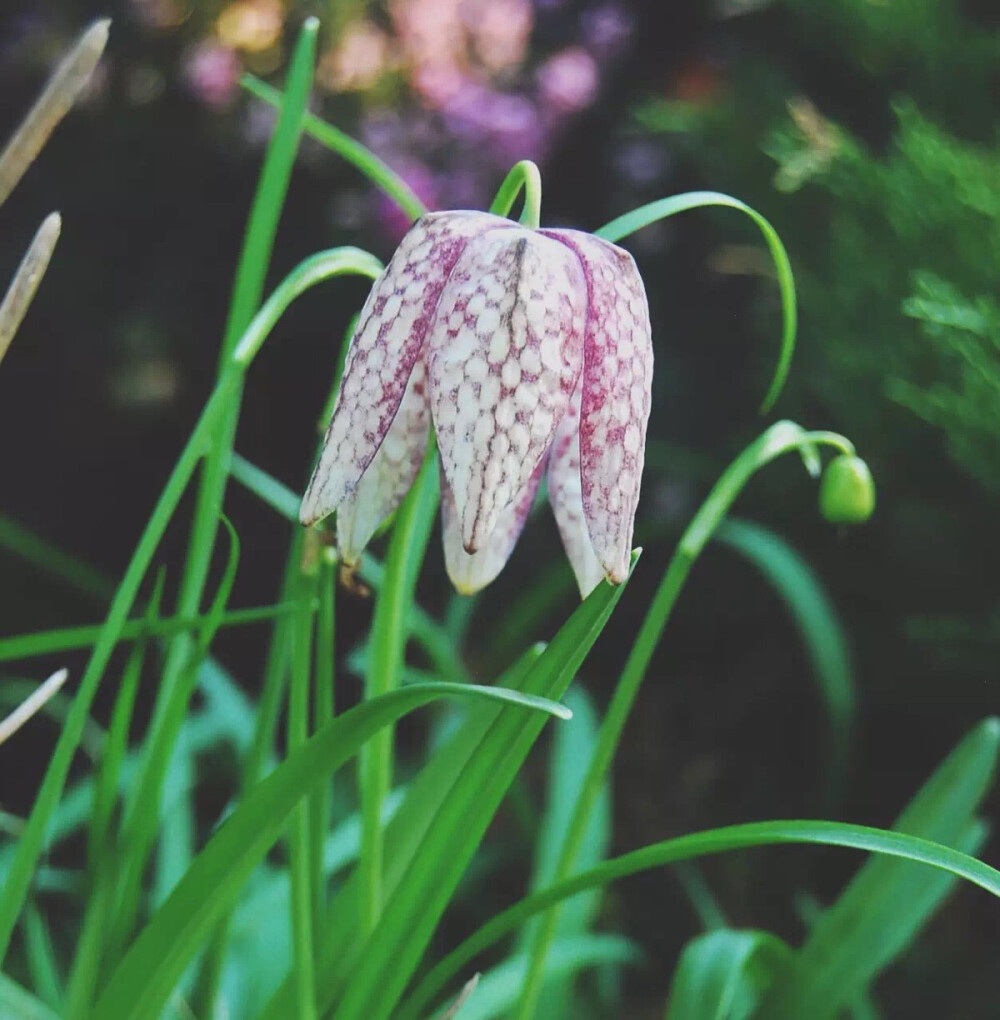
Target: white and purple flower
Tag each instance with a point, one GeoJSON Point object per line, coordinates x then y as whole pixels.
{"type": "Point", "coordinates": [530, 351]}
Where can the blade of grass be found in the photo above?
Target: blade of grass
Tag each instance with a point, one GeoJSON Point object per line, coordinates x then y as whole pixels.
{"type": "Point", "coordinates": [142, 982]}
{"type": "Point", "coordinates": [23, 287]}
{"type": "Point", "coordinates": [722, 975]}
{"type": "Point", "coordinates": [47, 642]}
{"type": "Point", "coordinates": [60, 93]}
{"type": "Point", "coordinates": [34, 703]}
{"type": "Point", "coordinates": [50, 559]}
{"type": "Point", "coordinates": [41, 956]}
{"type": "Point", "coordinates": [174, 689]}
{"type": "Point", "coordinates": [379, 974]}
{"type": "Point", "coordinates": [300, 842]}
{"type": "Point", "coordinates": [379, 173]}
{"type": "Point", "coordinates": [664, 207]}
{"type": "Point", "coordinates": [18, 1002]}
{"type": "Point", "coordinates": [780, 438]}
{"type": "Point", "coordinates": [405, 833]}
{"type": "Point", "coordinates": [689, 847]}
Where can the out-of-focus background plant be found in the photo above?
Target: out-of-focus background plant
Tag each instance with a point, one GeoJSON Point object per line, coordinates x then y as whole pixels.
{"type": "Point", "coordinates": [867, 132]}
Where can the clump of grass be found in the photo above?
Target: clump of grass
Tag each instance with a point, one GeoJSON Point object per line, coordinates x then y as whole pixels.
{"type": "Point", "coordinates": [341, 921]}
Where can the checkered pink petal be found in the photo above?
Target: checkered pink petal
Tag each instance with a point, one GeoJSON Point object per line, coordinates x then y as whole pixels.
{"type": "Point", "coordinates": [566, 498]}
{"type": "Point", "coordinates": [617, 376]}
{"type": "Point", "coordinates": [503, 360]}
{"type": "Point", "coordinates": [469, 572]}
{"type": "Point", "coordinates": [392, 330]}
{"type": "Point", "coordinates": [391, 472]}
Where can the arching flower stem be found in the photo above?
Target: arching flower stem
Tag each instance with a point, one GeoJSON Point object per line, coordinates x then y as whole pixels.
{"type": "Point", "coordinates": [523, 176]}
{"type": "Point", "coordinates": [782, 437]}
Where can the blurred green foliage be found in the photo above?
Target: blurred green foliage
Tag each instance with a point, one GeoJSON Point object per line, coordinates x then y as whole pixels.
{"type": "Point", "coordinates": [881, 129]}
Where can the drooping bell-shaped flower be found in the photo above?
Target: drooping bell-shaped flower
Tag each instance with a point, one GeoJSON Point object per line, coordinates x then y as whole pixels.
{"type": "Point", "coordinates": [530, 351]}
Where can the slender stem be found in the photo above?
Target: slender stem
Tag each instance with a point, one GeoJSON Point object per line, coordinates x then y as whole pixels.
{"type": "Point", "coordinates": [323, 712]}
{"type": "Point", "coordinates": [523, 176]}
{"type": "Point", "coordinates": [388, 642]}
{"type": "Point", "coordinates": [779, 438]}
{"type": "Point", "coordinates": [379, 173]}
{"type": "Point", "coordinates": [664, 207]}
{"type": "Point", "coordinates": [23, 646]}
{"type": "Point", "coordinates": [299, 836]}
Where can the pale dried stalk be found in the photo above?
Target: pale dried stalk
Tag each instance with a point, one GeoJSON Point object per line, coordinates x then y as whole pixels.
{"type": "Point", "coordinates": [462, 999]}
{"type": "Point", "coordinates": [61, 92]}
{"type": "Point", "coordinates": [26, 280]}
{"type": "Point", "coordinates": [32, 704]}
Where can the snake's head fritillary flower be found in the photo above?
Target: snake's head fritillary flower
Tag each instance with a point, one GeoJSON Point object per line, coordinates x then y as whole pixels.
{"type": "Point", "coordinates": [530, 351]}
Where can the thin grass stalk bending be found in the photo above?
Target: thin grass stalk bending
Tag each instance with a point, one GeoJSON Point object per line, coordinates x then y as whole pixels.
{"type": "Point", "coordinates": [524, 176]}
{"type": "Point", "coordinates": [379, 173]}
{"type": "Point", "coordinates": [300, 844]}
{"type": "Point", "coordinates": [690, 847]}
{"type": "Point", "coordinates": [778, 439]}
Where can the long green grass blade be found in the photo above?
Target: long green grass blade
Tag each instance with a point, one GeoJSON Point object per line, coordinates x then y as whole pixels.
{"type": "Point", "coordinates": [47, 642]}
{"type": "Point", "coordinates": [664, 207]}
{"type": "Point", "coordinates": [722, 975]}
{"type": "Point", "coordinates": [817, 621]}
{"type": "Point", "coordinates": [19, 1004]}
{"type": "Point", "coordinates": [405, 835]}
{"type": "Point", "coordinates": [142, 982]}
{"type": "Point", "coordinates": [379, 173]}
{"type": "Point", "coordinates": [703, 844]}
{"type": "Point", "coordinates": [888, 901]}
{"type": "Point", "coordinates": [387, 960]}
{"type": "Point", "coordinates": [50, 559]}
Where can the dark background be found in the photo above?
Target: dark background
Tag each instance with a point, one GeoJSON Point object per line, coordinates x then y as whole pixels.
{"type": "Point", "coordinates": [109, 371]}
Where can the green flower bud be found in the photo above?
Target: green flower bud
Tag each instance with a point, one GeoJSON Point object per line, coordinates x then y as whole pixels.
{"type": "Point", "coordinates": [847, 491]}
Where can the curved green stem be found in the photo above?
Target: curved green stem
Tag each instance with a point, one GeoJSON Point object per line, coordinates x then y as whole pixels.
{"type": "Point", "coordinates": [694, 845]}
{"type": "Point", "coordinates": [523, 176]}
{"type": "Point", "coordinates": [780, 438]}
{"type": "Point", "coordinates": [379, 173]}
{"type": "Point", "coordinates": [664, 207]}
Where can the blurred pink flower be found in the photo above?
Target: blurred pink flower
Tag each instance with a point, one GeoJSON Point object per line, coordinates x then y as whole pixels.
{"type": "Point", "coordinates": [500, 31]}
{"type": "Point", "coordinates": [359, 60]}
{"type": "Point", "coordinates": [568, 81]}
{"type": "Point", "coordinates": [212, 72]}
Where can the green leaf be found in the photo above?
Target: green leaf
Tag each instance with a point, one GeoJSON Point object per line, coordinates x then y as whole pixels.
{"type": "Point", "coordinates": [888, 901]}
{"type": "Point", "coordinates": [822, 633]}
{"type": "Point", "coordinates": [379, 973]}
{"type": "Point", "coordinates": [654, 211]}
{"type": "Point", "coordinates": [405, 833]}
{"type": "Point", "coordinates": [702, 844]}
{"type": "Point", "coordinates": [721, 975]}
{"type": "Point", "coordinates": [497, 990]}
{"type": "Point", "coordinates": [19, 1004]}
{"type": "Point", "coordinates": [142, 982]}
